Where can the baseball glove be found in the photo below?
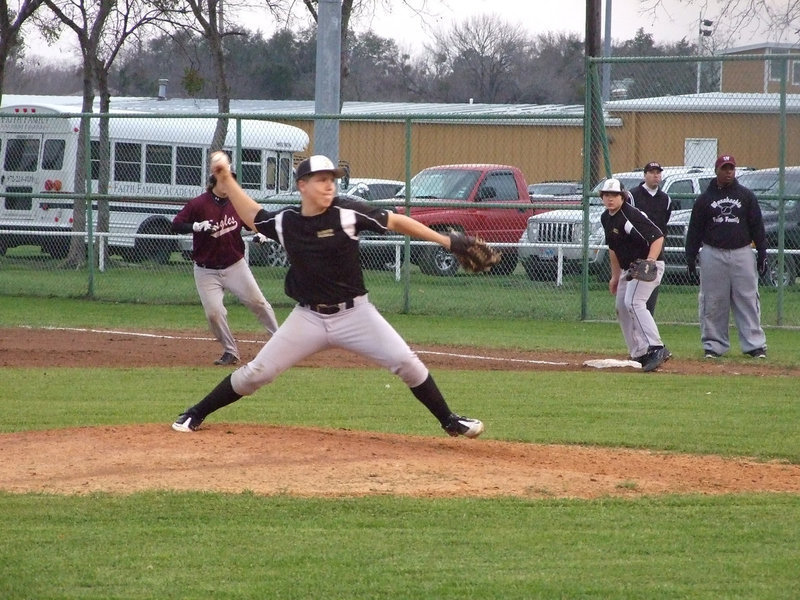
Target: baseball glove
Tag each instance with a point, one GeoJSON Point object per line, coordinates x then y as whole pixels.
{"type": "Point", "coordinates": [473, 253]}
{"type": "Point", "coordinates": [642, 269]}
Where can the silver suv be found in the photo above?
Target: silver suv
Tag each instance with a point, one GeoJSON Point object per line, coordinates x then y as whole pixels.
{"type": "Point", "coordinates": [559, 233]}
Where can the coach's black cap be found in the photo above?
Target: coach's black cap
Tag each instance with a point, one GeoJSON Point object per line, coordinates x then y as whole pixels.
{"type": "Point", "coordinates": [316, 164]}
{"type": "Point", "coordinates": [652, 166]}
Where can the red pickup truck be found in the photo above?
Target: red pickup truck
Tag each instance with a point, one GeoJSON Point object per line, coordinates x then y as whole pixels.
{"type": "Point", "coordinates": [487, 201]}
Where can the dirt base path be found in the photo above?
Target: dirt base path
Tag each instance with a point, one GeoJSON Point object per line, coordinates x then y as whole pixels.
{"type": "Point", "coordinates": [324, 462]}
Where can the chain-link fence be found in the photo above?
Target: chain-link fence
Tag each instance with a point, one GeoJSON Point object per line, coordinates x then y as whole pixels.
{"type": "Point", "coordinates": [465, 168]}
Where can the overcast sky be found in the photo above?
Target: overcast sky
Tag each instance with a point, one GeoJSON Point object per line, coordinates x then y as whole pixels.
{"type": "Point", "coordinates": [674, 20]}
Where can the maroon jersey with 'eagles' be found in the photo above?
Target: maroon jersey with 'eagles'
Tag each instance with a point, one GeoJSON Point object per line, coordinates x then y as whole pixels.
{"type": "Point", "coordinates": [212, 249]}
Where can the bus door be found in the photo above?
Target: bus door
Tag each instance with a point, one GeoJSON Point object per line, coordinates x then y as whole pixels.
{"type": "Point", "coordinates": [32, 163]}
{"type": "Point", "coordinates": [285, 172]}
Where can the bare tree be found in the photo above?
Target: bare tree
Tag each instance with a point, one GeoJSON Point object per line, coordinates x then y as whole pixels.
{"type": "Point", "coordinates": [11, 22]}
{"type": "Point", "coordinates": [484, 56]}
{"type": "Point", "coordinates": [102, 29]}
{"type": "Point", "coordinates": [777, 18]}
{"type": "Point", "coordinates": [87, 20]}
{"type": "Point", "coordinates": [357, 9]}
{"type": "Point", "coordinates": [214, 21]}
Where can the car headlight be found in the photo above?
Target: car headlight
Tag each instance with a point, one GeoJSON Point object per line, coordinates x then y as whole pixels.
{"type": "Point", "coordinates": [597, 235]}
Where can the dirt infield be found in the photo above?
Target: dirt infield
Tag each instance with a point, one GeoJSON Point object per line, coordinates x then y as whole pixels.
{"type": "Point", "coordinates": [325, 462]}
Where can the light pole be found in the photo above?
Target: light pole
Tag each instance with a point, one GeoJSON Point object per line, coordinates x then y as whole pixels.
{"type": "Point", "coordinates": [703, 31]}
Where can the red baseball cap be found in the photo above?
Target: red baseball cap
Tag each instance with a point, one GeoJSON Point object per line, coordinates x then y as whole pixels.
{"type": "Point", "coordinates": [725, 159]}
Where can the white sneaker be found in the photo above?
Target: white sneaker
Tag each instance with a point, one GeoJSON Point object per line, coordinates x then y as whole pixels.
{"type": "Point", "coordinates": [186, 423]}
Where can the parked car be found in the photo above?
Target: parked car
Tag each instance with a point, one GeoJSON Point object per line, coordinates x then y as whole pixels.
{"type": "Point", "coordinates": [549, 232]}
{"type": "Point", "coordinates": [555, 188]}
{"type": "Point", "coordinates": [484, 200]}
{"type": "Point", "coordinates": [764, 183]}
{"type": "Point", "coordinates": [373, 189]}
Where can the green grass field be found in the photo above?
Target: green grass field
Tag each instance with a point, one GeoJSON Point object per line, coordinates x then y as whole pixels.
{"type": "Point", "coordinates": [201, 545]}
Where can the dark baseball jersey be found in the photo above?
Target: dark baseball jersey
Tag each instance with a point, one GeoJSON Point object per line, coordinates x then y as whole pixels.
{"type": "Point", "coordinates": [629, 234]}
{"type": "Point", "coordinates": [657, 207]}
{"type": "Point", "coordinates": [727, 218]}
{"type": "Point", "coordinates": [213, 250]}
{"type": "Point", "coordinates": [323, 249]}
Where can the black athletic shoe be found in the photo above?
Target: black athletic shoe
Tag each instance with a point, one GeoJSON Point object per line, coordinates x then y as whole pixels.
{"type": "Point", "coordinates": [712, 354]}
{"type": "Point", "coordinates": [757, 353]}
{"type": "Point", "coordinates": [656, 358]}
{"type": "Point", "coordinates": [456, 426]}
{"type": "Point", "coordinates": [186, 423]}
{"type": "Point", "coordinates": [226, 359]}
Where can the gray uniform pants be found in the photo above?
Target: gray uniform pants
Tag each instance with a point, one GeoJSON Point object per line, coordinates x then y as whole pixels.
{"type": "Point", "coordinates": [728, 279]}
{"type": "Point", "coordinates": [638, 326]}
{"type": "Point", "coordinates": [237, 279]}
{"type": "Point", "coordinates": [361, 329]}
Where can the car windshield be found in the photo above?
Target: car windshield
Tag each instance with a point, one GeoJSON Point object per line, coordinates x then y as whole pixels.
{"type": "Point", "coordinates": [766, 184]}
{"type": "Point", "coordinates": [452, 184]}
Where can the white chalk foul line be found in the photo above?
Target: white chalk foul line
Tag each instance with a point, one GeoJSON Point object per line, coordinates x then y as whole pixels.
{"type": "Point", "coordinates": [499, 359]}
{"type": "Point", "coordinates": [209, 339]}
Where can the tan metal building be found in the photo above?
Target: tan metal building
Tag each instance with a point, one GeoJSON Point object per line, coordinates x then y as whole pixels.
{"type": "Point", "coordinates": [545, 141]}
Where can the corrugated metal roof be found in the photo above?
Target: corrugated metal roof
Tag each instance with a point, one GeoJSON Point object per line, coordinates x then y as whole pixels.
{"type": "Point", "coordinates": [538, 114]}
{"type": "Point", "coordinates": [709, 102]}
{"type": "Point", "coordinates": [307, 107]}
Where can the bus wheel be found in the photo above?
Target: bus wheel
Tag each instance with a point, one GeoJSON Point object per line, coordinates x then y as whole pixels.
{"type": "Point", "coordinates": [155, 250]}
{"type": "Point", "coordinates": [57, 247]}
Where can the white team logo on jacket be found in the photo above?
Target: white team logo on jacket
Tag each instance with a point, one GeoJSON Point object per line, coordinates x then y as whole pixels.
{"type": "Point", "coordinates": [226, 225]}
{"type": "Point", "coordinates": [725, 206]}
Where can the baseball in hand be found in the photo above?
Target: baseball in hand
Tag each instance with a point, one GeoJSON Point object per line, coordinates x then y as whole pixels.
{"type": "Point", "coordinates": [219, 161]}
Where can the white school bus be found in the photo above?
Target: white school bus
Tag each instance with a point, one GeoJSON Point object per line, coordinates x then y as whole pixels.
{"type": "Point", "coordinates": [156, 165]}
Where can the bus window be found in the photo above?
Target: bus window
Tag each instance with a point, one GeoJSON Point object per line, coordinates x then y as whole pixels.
{"type": "Point", "coordinates": [188, 166]}
{"type": "Point", "coordinates": [13, 203]}
{"type": "Point", "coordinates": [127, 162]}
{"type": "Point", "coordinates": [285, 174]}
{"type": "Point", "coordinates": [53, 155]}
{"type": "Point", "coordinates": [158, 164]}
{"type": "Point", "coordinates": [94, 152]}
{"type": "Point", "coordinates": [21, 155]}
{"type": "Point", "coordinates": [272, 175]}
{"type": "Point", "coordinates": [250, 177]}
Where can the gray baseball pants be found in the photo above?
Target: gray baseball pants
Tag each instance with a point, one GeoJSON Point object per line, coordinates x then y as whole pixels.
{"type": "Point", "coordinates": [729, 280]}
{"type": "Point", "coordinates": [361, 329]}
{"type": "Point", "coordinates": [638, 325]}
{"type": "Point", "coordinates": [237, 279]}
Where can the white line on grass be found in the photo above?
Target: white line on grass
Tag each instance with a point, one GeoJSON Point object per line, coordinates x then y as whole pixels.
{"type": "Point", "coordinates": [209, 339]}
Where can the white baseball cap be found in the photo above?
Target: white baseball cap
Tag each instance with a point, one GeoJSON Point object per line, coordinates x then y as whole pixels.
{"type": "Point", "coordinates": [315, 164]}
{"type": "Point", "coordinates": [612, 186]}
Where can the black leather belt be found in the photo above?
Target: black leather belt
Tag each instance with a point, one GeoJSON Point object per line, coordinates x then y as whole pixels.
{"type": "Point", "coordinates": [211, 267]}
{"type": "Point", "coordinates": [329, 309]}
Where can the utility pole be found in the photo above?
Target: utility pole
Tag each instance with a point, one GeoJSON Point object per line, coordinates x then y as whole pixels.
{"type": "Point", "coordinates": [703, 31]}
{"type": "Point", "coordinates": [606, 54]}
{"type": "Point", "coordinates": [595, 109]}
{"type": "Point", "coordinates": [328, 78]}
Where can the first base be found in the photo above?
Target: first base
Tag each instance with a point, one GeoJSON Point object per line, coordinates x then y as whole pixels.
{"type": "Point", "coordinates": [607, 363]}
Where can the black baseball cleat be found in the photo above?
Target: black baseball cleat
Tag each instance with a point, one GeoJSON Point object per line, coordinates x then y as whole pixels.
{"type": "Point", "coordinates": [655, 359]}
{"type": "Point", "coordinates": [456, 426]}
{"type": "Point", "coordinates": [226, 359]}
{"type": "Point", "coordinates": [757, 353]}
{"type": "Point", "coordinates": [186, 423]}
